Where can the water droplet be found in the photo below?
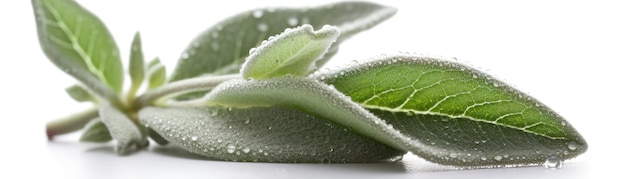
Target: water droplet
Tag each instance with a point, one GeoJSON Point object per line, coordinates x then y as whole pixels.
{"type": "Point", "coordinates": [245, 150]}
{"type": "Point", "coordinates": [215, 46]}
{"type": "Point", "coordinates": [194, 138]}
{"type": "Point", "coordinates": [184, 55]}
{"type": "Point", "coordinates": [252, 50]}
{"type": "Point", "coordinates": [257, 14]}
{"type": "Point", "coordinates": [453, 155]}
{"type": "Point", "coordinates": [572, 146]}
{"type": "Point", "coordinates": [230, 148]}
{"type": "Point", "coordinates": [292, 21]}
{"type": "Point", "coordinates": [498, 158]}
{"type": "Point", "coordinates": [247, 121]}
{"type": "Point", "coordinates": [215, 35]}
{"type": "Point", "coordinates": [262, 27]}
{"type": "Point", "coordinates": [563, 123]}
{"type": "Point", "coordinates": [331, 150]}
{"type": "Point", "coordinates": [265, 153]}
{"type": "Point", "coordinates": [483, 158]}
{"type": "Point", "coordinates": [553, 162]}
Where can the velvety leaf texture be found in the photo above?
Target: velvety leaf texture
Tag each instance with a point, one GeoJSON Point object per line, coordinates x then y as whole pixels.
{"type": "Point", "coordinates": [293, 52]}
{"type": "Point", "coordinates": [128, 136]}
{"type": "Point", "coordinates": [96, 131]}
{"type": "Point", "coordinates": [223, 48]}
{"type": "Point", "coordinates": [471, 117]}
{"type": "Point", "coordinates": [274, 134]}
{"type": "Point", "coordinates": [79, 43]}
{"type": "Point", "coordinates": [136, 67]}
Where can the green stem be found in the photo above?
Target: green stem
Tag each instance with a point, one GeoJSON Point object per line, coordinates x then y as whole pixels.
{"type": "Point", "coordinates": [183, 86]}
{"type": "Point", "coordinates": [70, 123]}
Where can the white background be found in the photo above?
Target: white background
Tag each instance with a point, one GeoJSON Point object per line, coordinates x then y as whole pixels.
{"type": "Point", "coordinates": [567, 54]}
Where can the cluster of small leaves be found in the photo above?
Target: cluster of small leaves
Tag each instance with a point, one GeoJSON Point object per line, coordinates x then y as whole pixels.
{"type": "Point", "coordinates": [263, 99]}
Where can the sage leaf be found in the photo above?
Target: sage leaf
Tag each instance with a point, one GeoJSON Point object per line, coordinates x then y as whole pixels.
{"type": "Point", "coordinates": [156, 73]}
{"type": "Point", "coordinates": [128, 135]}
{"type": "Point", "coordinates": [222, 48]}
{"type": "Point", "coordinates": [96, 131]}
{"type": "Point", "coordinates": [274, 134]}
{"type": "Point", "coordinates": [79, 93]}
{"type": "Point", "coordinates": [136, 67]}
{"type": "Point", "coordinates": [293, 52]}
{"type": "Point", "coordinates": [470, 118]}
{"type": "Point", "coordinates": [77, 42]}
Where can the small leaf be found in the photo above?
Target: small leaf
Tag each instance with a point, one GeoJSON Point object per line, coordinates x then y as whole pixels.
{"type": "Point", "coordinates": [96, 131]}
{"type": "Point", "coordinates": [77, 42]}
{"type": "Point", "coordinates": [156, 73]}
{"type": "Point", "coordinates": [470, 118]}
{"type": "Point", "coordinates": [273, 134]}
{"type": "Point", "coordinates": [293, 52]}
{"type": "Point", "coordinates": [79, 94]}
{"type": "Point", "coordinates": [128, 135]}
{"type": "Point", "coordinates": [223, 48]}
{"type": "Point", "coordinates": [136, 66]}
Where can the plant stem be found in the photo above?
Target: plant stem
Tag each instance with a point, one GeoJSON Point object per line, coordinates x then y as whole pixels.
{"type": "Point", "coordinates": [184, 86]}
{"type": "Point", "coordinates": [70, 123]}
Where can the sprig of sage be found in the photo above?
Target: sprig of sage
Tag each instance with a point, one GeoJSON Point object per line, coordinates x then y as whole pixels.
{"type": "Point", "coordinates": [249, 89]}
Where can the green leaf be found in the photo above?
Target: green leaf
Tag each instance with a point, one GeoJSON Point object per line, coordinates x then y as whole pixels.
{"type": "Point", "coordinates": [96, 131]}
{"type": "Point", "coordinates": [128, 135]}
{"type": "Point", "coordinates": [461, 142]}
{"type": "Point", "coordinates": [470, 118]}
{"type": "Point", "coordinates": [293, 52]}
{"type": "Point", "coordinates": [223, 48]}
{"type": "Point", "coordinates": [156, 73]}
{"type": "Point", "coordinates": [136, 66]}
{"type": "Point", "coordinates": [273, 134]}
{"type": "Point", "coordinates": [79, 93]}
{"type": "Point", "coordinates": [77, 42]}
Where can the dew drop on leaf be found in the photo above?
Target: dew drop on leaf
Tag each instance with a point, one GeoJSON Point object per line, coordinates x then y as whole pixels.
{"type": "Point", "coordinates": [230, 148]}
{"type": "Point", "coordinates": [498, 158]}
{"type": "Point", "coordinates": [292, 21]}
{"type": "Point", "coordinates": [553, 162]}
{"type": "Point", "coordinates": [215, 46]}
{"type": "Point", "coordinates": [262, 27]}
{"type": "Point", "coordinates": [194, 138]}
{"type": "Point", "coordinates": [257, 14]}
{"type": "Point", "coordinates": [572, 146]}
{"type": "Point", "coordinates": [245, 150]}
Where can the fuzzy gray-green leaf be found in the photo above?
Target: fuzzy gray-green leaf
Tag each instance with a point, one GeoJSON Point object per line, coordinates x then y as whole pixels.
{"type": "Point", "coordinates": [136, 67]}
{"type": "Point", "coordinates": [274, 134]}
{"type": "Point", "coordinates": [469, 117]}
{"type": "Point", "coordinates": [128, 135]}
{"type": "Point", "coordinates": [223, 48]}
{"type": "Point", "coordinates": [79, 93]}
{"type": "Point", "coordinates": [96, 131]}
{"type": "Point", "coordinates": [293, 52]}
{"type": "Point", "coordinates": [77, 42]}
{"type": "Point", "coordinates": [156, 73]}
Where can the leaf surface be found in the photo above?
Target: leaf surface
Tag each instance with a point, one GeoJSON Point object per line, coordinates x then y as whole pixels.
{"type": "Point", "coordinates": [468, 116]}
{"type": "Point", "coordinates": [96, 131]}
{"type": "Point", "coordinates": [293, 52]}
{"type": "Point", "coordinates": [223, 48]}
{"type": "Point", "coordinates": [274, 134]}
{"type": "Point", "coordinates": [136, 67]}
{"type": "Point", "coordinates": [129, 137]}
{"type": "Point", "coordinates": [77, 42]}
{"type": "Point", "coordinates": [79, 93]}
